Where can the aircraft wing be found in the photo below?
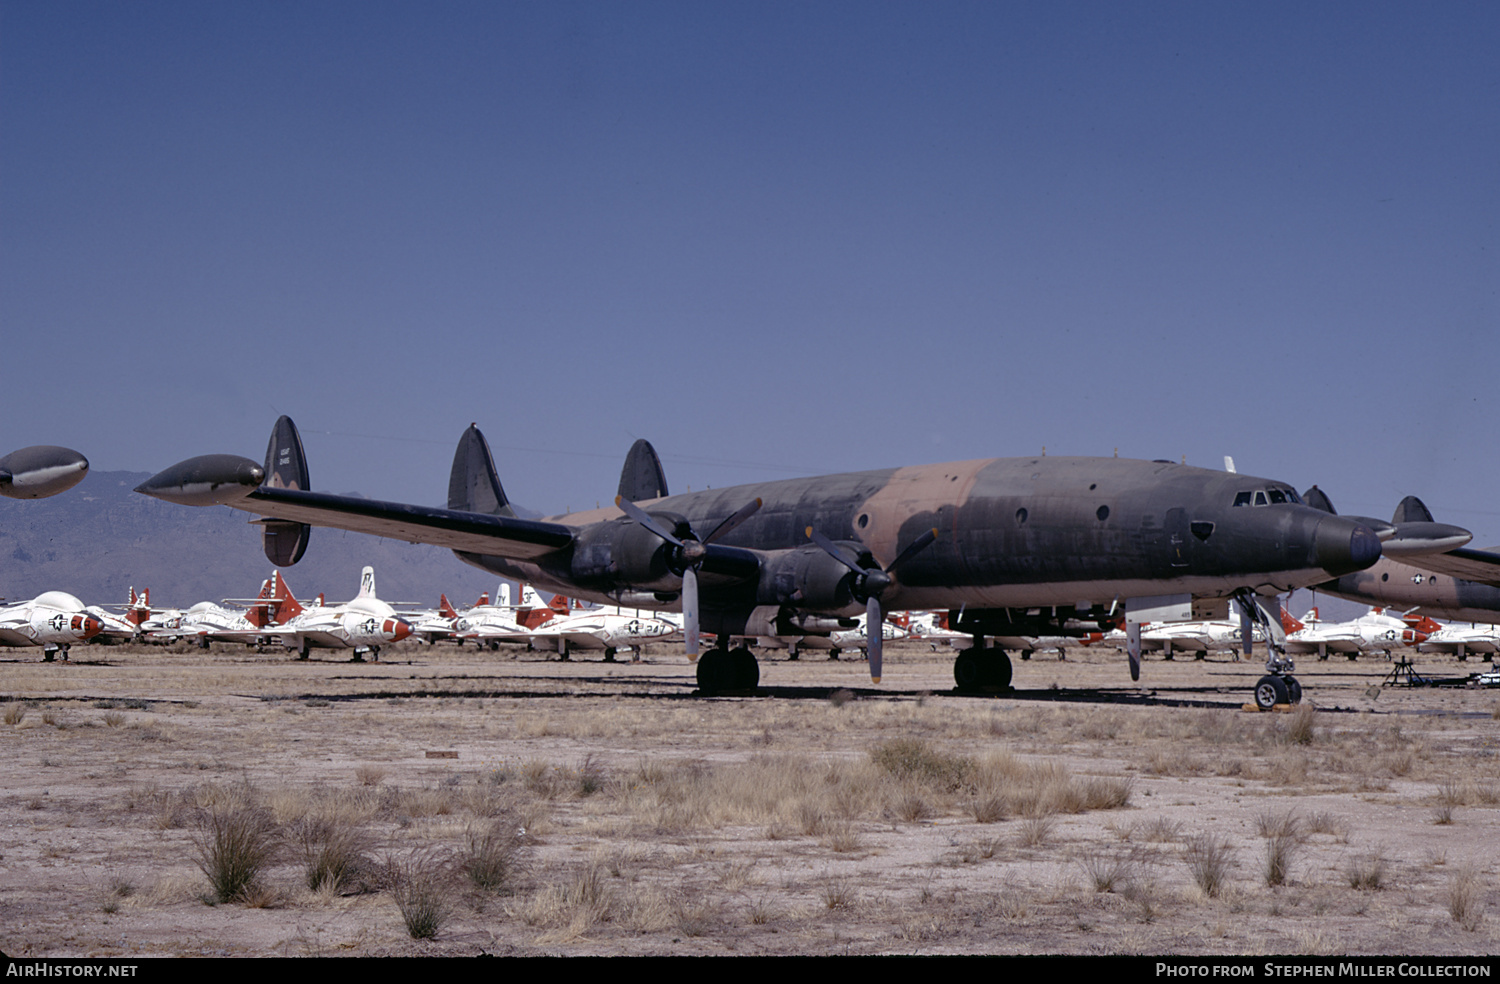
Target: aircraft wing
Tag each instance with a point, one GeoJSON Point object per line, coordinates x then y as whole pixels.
{"type": "Point", "coordinates": [479, 533]}
{"type": "Point", "coordinates": [1467, 563]}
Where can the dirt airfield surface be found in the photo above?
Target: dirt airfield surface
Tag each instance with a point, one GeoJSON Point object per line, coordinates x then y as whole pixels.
{"type": "Point", "coordinates": [507, 803]}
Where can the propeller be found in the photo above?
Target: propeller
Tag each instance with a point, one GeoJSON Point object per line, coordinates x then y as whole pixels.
{"type": "Point", "coordinates": [869, 584]}
{"type": "Point", "coordinates": [688, 555]}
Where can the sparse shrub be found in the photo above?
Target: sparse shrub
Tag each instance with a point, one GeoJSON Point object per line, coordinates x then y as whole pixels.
{"type": "Point", "coordinates": [334, 856]}
{"type": "Point", "coordinates": [1037, 830]}
{"type": "Point", "coordinates": [1299, 725]}
{"type": "Point", "coordinates": [1286, 824]}
{"type": "Point", "coordinates": [839, 893]}
{"type": "Point", "coordinates": [1105, 872]}
{"type": "Point", "coordinates": [988, 808]}
{"type": "Point", "coordinates": [114, 719]}
{"type": "Point", "coordinates": [1209, 859]}
{"type": "Point", "coordinates": [1280, 847]}
{"type": "Point", "coordinates": [1465, 901]}
{"type": "Point", "coordinates": [1366, 874]}
{"type": "Point", "coordinates": [235, 843]}
{"type": "Point", "coordinates": [369, 775]}
{"type": "Point", "coordinates": [491, 856]}
{"type": "Point", "coordinates": [15, 713]}
{"type": "Point", "coordinates": [420, 884]}
{"type": "Point", "coordinates": [915, 760]}
{"type": "Point", "coordinates": [1442, 815]}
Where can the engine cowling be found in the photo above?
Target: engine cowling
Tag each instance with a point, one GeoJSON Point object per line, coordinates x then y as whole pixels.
{"type": "Point", "coordinates": [626, 553]}
{"type": "Point", "coordinates": [810, 580]}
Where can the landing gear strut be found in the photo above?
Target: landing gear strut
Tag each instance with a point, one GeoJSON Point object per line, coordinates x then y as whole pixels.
{"type": "Point", "coordinates": [1278, 686]}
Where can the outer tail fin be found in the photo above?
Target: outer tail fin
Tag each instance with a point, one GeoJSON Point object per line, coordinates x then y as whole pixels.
{"type": "Point", "coordinates": [286, 468]}
{"type": "Point", "coordinates": [140, 607]}
{"type": "Point", "coordinates": [445, 608]}
{"type": "Point", "coordinates": [473, 485]}
{"type": "Point", "coordinates": [287, 606]}
{"type": "Point", "coordinates": [366, 583]}
{"type": "Point", "coordinates": [1290, 624]}
{"type": "Point", "coordinates": [642, 477]}
{"type": "Point", "coordinates": [484, 600]}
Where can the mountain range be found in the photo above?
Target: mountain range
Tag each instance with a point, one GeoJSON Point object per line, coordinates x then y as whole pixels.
{"type": "Point", "coordinates": [101, 538]}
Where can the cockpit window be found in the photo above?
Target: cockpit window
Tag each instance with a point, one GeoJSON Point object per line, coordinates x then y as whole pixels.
{"type": "Point", "coordinates": [1266, 497]}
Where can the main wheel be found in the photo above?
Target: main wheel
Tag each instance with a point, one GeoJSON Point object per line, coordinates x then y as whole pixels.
{"type": "Point", "coordinates": [996, 670]}
{"type": "Point", "coordinates": [968, 671]}
{"type": "Point", "coordinates": [1270, 691]}
{"type": "Point", "coordinates": [713, 672]}
{"type": "Point", "coordinates": [744, 671]}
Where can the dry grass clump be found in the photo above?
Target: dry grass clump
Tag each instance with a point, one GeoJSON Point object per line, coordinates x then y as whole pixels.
{"type": "Point", "coordinates": [1366, 873]}
{"type": "Point", "coordinates": [1107, 871]}
{"type": "Point", "coordinates": [491, 856]}
{"type": "Point", "coordinates": [1465, 899]}
{"type": "Point", "coordinates": [1209, 858]}
{"type": "Point", "coordinates": [1300, 725]}
{"type": "Point", "coordinates": [335, 856]}
{"type": "Point", "coordinates": [914, 760]}
{"type": "Point", "coordinates": [421, 883]}
{"type": "Point", "coordinates": [235, 843]}
{"type": "Point", "coordinates": [15, 713]}
{"type": "Point", "coordinates": [1284, 834]}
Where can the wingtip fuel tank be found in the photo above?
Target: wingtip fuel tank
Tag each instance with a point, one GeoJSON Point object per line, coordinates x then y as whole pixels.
{"type": "Point", "coordinates": [39, 471]}
{"type": "Point", "coordinates": [207, 480]}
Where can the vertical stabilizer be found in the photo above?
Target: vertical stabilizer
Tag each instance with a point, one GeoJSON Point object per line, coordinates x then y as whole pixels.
{"type": "Point", "coordinates": [1412, 510]}
{"type": "Point", "coordinates": [473, 485]}
{"type": "Point", "coordinates": [286, 468]}
{"type": "Point", "coordinates": [366, 583]}
{"type": "Point", "coordinates": [642, 477]}
{"type": "Point", "coordinates": [502, 594]}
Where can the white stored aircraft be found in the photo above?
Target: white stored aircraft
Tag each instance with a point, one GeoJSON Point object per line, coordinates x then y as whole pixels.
{"type": "Point", "coordinates": [1374, 631]}
{"type": "Point", "coordinates": [54, 620]}
{"type": "Point", "coordinates": [609, 628]}
{"type": "Point", "coordinates": [491, 625]}
{"type": "Point", "coordinates": [1463, 640]}
{"type": "Point", "coordinates": [363, 624]}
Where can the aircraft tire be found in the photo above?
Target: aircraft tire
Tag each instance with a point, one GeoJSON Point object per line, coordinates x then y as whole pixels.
{"type": "Point", "coordinates": [1270, 691]}
{"type": "Point", "coordinates": [712, 674]}
{"type": "Point", "coordinates": [996, 669]}
{"type": "Point", "coordinates": [1293, 690]}
{"type": "Point", "coordinates": [967, 671]}
{"type": "Point", "coordinates": [743, 669]}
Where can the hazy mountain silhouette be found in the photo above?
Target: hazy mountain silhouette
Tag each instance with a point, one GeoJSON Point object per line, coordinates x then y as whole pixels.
{"type": "Point", "coordinates": [102, 538]}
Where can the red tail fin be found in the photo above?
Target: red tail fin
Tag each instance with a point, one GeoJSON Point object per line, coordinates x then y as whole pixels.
{"type": "Point", "coordinates": [1290, 624]}
{"type": "Point", "coordinates": [445, 608]}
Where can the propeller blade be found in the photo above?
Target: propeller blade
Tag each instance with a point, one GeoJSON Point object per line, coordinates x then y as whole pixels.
{"type": "Point", "coordinates": [917, 546]}
{"type": "Point", "coordinates": [690, 612]}
{"type": "Point", "coordinates": [874, 636]}
{"type": "Point", "coordinates": [640, 515]}
{"type": "Point", "coordinates": [745, 512]}
{"type": "Point", "coordinates": [833, 550]}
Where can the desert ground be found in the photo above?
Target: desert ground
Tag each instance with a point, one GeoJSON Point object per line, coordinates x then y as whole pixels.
{"type": "Point", "coordinates": [444, 801]}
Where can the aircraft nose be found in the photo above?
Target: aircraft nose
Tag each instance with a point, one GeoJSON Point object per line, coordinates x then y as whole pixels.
{"type": "Point", "coordinates": [1343, 547]}
{"type": "Point", "coordinates": [399, 628]}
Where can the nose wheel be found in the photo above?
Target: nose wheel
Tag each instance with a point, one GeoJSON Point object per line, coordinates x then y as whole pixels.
{"type": "Point", "coordinates": [1271, 690]}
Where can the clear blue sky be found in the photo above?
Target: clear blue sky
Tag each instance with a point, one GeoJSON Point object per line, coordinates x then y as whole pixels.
{"type": "Point", "coordinates": [774, 238]}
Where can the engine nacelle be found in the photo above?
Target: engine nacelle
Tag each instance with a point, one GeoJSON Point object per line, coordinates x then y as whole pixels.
{"type": "Point", "coordinates": [626, 553]}
{"type": "Point", "coordinates": [809, 580]}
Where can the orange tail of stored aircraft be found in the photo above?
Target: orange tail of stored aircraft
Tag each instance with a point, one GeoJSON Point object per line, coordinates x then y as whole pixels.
{"type": "Point", "coordinates": [445, 607]}
{"type": "Point", "coordinates": [140, 607]}
{"type": "Point", "coordinates": [1290, 624]}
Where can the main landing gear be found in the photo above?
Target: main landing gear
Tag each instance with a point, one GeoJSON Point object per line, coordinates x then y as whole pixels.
{"type": "Point", "coordinates": [722, 670]}
{"type": "Point", "coordinates": [982, 669]}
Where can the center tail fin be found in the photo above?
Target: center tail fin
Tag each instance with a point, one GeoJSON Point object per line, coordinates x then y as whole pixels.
{"type": "Point", "coordinates": [366, 583]}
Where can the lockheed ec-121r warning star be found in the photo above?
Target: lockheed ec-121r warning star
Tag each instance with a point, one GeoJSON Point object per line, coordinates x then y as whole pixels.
{"type": "Point", "coordinates": [1009, 546]}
